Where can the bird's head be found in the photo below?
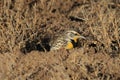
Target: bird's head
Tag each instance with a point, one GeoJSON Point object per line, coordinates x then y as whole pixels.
{"type": "Point", "coordinates": [71, 34]}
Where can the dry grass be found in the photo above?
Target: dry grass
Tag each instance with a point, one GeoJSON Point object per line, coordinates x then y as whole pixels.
{"type": "Point", "coordinates": [27, 25]}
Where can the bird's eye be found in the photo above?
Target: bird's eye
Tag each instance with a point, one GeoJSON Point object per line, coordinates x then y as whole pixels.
{"type": "Point", "coordinates": [76, 34]}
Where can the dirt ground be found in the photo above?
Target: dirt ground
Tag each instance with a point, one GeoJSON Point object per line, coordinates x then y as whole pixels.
{"type": "Point", "coordinates": [28, 26]}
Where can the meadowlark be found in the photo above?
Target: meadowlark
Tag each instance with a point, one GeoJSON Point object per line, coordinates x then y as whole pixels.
{"type": "Point", "coordinates": [67, 40]}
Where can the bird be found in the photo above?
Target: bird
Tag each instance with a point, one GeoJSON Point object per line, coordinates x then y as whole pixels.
{"type": "Point", "coordinates": [66, 40]}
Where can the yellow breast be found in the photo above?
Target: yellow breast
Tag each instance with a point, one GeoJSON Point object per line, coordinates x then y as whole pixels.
{"type": "Point", "coordinates": [69, 45]}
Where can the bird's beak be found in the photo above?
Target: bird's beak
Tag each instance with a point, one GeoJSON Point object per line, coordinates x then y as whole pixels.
{"type": "Point", "coordinates": [82, 37]}
{"type": "Point", "coordinates": [78, 37]}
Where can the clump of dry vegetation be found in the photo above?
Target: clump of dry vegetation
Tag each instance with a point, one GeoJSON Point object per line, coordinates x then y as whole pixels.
{"type": "Point", "coordinates": [29, 25]}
